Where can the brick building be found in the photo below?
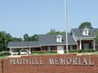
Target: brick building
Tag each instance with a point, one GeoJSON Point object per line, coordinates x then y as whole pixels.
{"type": "Point", "coordinates": [81, 39]}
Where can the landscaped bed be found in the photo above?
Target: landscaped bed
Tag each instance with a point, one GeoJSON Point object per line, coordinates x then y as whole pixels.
{"type": "Point", "coordinates": [78, 52]}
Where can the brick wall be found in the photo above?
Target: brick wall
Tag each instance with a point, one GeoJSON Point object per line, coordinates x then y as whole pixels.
{"type": "Point", "coordinates": [0, 66]}
{"type": "Point", "coordinates": [47, 68]}
{"type": "Point", "coordinates": [54, 48]}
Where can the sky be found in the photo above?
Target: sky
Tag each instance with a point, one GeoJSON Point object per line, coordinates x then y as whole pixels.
{"type": "Point", "coordinates": [18, 17]}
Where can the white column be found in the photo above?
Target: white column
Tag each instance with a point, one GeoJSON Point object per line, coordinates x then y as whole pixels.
{"type": "Point", "coordinates": [80, 45]}
{"type": "Point", "coordinates": [94, 45]}
{"type": "Point", "coordinates": [29, 50]}
{"type": "Point", "coordinates": [11, 51]}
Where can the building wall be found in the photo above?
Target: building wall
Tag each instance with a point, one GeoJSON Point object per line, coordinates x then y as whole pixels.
{"type": "Point", "coordinates": [36, 49]}
{"type": "Point", "coordinates": [54, 48]}
{"type": "Point", "coordinates": [47, 68]}
{"type": "Point", "coordinates": [44, 48]}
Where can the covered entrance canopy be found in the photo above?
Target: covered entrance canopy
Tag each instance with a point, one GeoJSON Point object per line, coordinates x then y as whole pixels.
{"type": "Point", "coordinates": [86, 43]}
{"type": "Point", "coordinates": [29, 46]}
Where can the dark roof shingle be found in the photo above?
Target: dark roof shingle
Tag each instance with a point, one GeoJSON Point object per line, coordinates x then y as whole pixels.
{"type": "Point", "coordinates": [78, 32]}
{"type": "Point", "coordinates": [51, 40]}
{"type": "Point", "coordinates": [44, 40]}
{"type": "Point", "coordinates": [23, 44]}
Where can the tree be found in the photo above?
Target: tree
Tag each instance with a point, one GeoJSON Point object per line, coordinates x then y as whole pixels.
{"type": "Point", "coordinates": [26, 37]}
{"type": "Point", "coordinates": [31, 38]}
{"type": "Point", "coordinates": [53, 31]}
{"type": "Point", "coordinates": [4, 39]}
{"type": "Point", "coordinates": [15, 39]}
{"type": "Point", "coordinates": [7, 39]}
{"type": "Point", "coordinates": [96, 37]}
{"type": "Point", "coordinates": [34, 37]}
{"type": "Point", "coordinates": [85, 25]}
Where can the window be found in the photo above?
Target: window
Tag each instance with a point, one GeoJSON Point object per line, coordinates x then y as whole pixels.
{"type": "Point", "coordinates": [71, 48]}
{"type": "Point", "coordinates": [86, 31]}
{"type": "Point", "coordinates": [59, 38]}
{"type": "Point", "coordinates": [49, 48]}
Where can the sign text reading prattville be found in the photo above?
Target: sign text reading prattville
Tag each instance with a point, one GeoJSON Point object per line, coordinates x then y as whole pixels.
{"type": "Point", "coordinates": [87, 61]}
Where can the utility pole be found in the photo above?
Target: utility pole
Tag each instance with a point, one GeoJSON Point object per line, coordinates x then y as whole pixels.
{"type": "Point", "coordinates": [66, 26]}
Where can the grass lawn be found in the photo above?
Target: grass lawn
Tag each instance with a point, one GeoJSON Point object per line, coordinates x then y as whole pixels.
{"type": "Point", "coordinates": [86, 53]}
{"type": "Point", "coordinates": [3, 57]}
{"type": "Point", "coordinates": [92, 53]}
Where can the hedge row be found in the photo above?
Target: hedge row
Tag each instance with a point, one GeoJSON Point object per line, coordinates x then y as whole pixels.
{"type": "Point", "coordinates": [80, 51]}
{"type": "Point", "coordinates": [70, 51]}
{"type": "Point", "coordinates": [42, 52]}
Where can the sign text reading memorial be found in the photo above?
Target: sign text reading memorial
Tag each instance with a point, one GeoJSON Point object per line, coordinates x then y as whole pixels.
{"type": "Point", "coordinates": [55, 61]}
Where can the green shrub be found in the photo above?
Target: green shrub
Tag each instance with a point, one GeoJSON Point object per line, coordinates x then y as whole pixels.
{"type": "Point", "coordinates": [38, 52]}
{"type": "Point", "coordinates": [5, 54]}
{"type": "Point", "coordinates": [90, 50]}
{"type": "Point", "coordinates": [73, 51]}
{"type": "Point", "coordinates": [43, 52]}
{"type": "Point", "coordinates": [0, 54]}
{"type": "Point", "coordinates": [80, 51]}
{"type": "Point", "coordinates": [51, 51]}
{"type": "Point", "coordinates": [34, 52]}
{"type": "Point", "coordinates": [65, 51]}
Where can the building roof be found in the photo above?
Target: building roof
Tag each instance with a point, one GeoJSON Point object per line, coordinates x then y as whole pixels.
{"type": "Point", "coordinates": [51, 40]}
{"type": "Point", "coordinates": [44, 40]}
{"type": "Point", "coordinates": [78, 32]}
{"type": "Point", "coordinates": [23, 44]}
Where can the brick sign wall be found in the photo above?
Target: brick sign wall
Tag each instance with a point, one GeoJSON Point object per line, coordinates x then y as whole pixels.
{"type": "Point", "coordinates": [0, 66]}
{"type": "Point", "coordinates": [51, 64]}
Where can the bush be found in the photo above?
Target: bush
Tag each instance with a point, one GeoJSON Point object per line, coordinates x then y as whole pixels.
{"type": "Point", "coordinates": [34, 52]}
{"type": "Point", "coordinates": [5, 54]}
{"type": "Point", "coordinates": [51, 51]}
{"type": "Point", "coordinates": [39, 52]}
{"type": "Point", "coordinates": [80, 51]}
{"type": "Point", "coordinates": [43, 52]}
{"type": "Point", "coordinates": [90, 50]}
{"type": "Point", "coordinates": [73, 51]}
{"type": "Point", "coordinates": [0, 54]}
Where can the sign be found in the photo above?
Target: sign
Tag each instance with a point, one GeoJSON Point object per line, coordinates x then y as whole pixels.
{"type": "Point", "coordinates": [75, 61]}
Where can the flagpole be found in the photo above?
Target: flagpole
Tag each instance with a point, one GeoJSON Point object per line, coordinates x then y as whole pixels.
{"type": "Point", "coordinates": [66, 26]}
